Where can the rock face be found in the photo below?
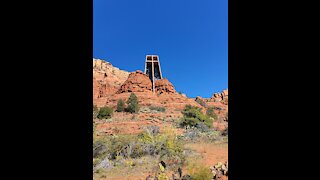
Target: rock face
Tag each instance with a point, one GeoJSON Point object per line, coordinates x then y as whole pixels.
{"type": "Point", "coordinates": [223, 96]}
{"type": "Point", "coordinates": [164, 86]}
{"type": "Point", "coordinates": [111, 84]}
{"type": "Point", "coordinates": [220, 103]}
{"type": "Point", "coordinates": [99, 88]}
{"type": "Point", "coordinates": [136, 82]}
{"type": "Point", "coordinates": [219, 170]}
{"type": "Point", "coordinates": [217, 97]}
{"type": "Point", "coordinates": [106, 78]}
{"type": "Point", "coordinates": [225, 93]}
{"type": "Point", "coordinates": [201, 101]}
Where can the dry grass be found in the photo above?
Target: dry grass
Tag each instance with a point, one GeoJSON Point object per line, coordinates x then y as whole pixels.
{"type": "Point", "coordinates": [210, 153]}
{"type": "Point", "coordinates": [142, 167]}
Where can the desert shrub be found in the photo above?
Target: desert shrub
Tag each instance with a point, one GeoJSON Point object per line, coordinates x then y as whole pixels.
{"type": "Point", "coordinates": [95, 111]}
{"type": "Point", "coordinates": [202, 127]}
{"type": "Point", "coordinates": [120, 105]}
{"type": "Point", "coordinates": [186, 177]}
{"type": "Point", "coordinates": [105, 113]}
{"type": "Point", "coordinates": [192, 116]}
{"type": "Point", "coordinates": [218, 108]}
{"type": "Point", "coordinates": [164, 146]}
{"type": "Point", "coordinates": [225, 132]}
{"type": "Point", "coordinates": [157, 108]}
{"type": "Point", "coordinates": [153, 130]}
{"type": "Point", "coordinates": [194, 134]}
{"type": "Point", "coordinates": [210, 112]}
{"type": "Point", "coordinates": [96, 161]}
{"type": "Point", "coordinates": [99, 149]}
{"type": "Point", "coordinates": [102, 165]}
{"type": "Point", "coordinates": [162, 176]}
{"type": "Point", "coordinates": [191, 135]}
{"type": "Point", "coordinates": [202, 173]}
{"type": "Point", "coordinates": [133, 105]}
{"type": "Point", "coordinates": [94, 132]}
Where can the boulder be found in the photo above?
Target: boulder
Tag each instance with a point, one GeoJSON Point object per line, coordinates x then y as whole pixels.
{"type": "Point", "coordinates": [164, 86]}
{"type": "Point", "coordinates": [136, 82]}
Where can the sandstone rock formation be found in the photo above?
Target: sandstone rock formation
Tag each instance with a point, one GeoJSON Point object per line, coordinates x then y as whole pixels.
{"type": "Point", "coordinates": [220, 96]}
{"type": "Point", "coordinates": [164, 86]}
{"type": "Point", "coordinates": [111, 84]}
{"type": "Point", "coordinates": [99, 88]}
{"type": "Point", "coordinates": [106, 78]}
{"type": "Point", "coordinates": [136, 82]}
{"type": "Point", "coordinates": [219, 170]}
{"type": "Point", "coordinates": [201, 101]}
{"type": "Point", "coordinates": [225, 93]}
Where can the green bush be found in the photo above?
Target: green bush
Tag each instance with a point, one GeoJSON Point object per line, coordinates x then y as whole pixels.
{"type": "Point", "coordinates": [120, 105]}
{"type": "Point", "coordinates": [157, 108]}
{"type": "Point", "coordinates": [105, 113]}
{"type": "Point", "coordinates": [192, 116]}
{"type": "Point", "coordinates": [133, 105]}
{"type": "Point", "coordinates": [210, 112]}
{"type": "Point", "coordinates": [164, 145]}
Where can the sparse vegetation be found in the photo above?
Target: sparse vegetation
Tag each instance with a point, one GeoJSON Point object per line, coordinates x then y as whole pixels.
{"type": "Point", "coordinates": [196, 134]}
{"type": "Point", "coordinates": [149, 143]}
{"type": "Point", "coordinates": [120, 105]}
{"type": "Point", "coordinates": [95, 111]}
{"type": "Point", "coordinates": [225, 132]}
{"type": "Point", "coordinates": [105, 113]}
{"type": "Point", "coordinates": [162, 176]}
{"type": "Point", "coordinates": [122, 155]}
{"type": "Point", "coordinates": [210, 112]}
{"type": "Point", "coordinates": [157, 108]}
{"type": "Point", "coordinates": [201, 102]}
{"type": "Point", "coordinates": [202, 173]}
{"type": "Point", "coordinates": [192, 117]}
{"type": "Point", "coordinates": [133, 105]}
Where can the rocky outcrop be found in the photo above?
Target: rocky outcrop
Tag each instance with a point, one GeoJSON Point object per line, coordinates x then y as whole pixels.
{"type": "Point", "coordinates": [225, 93]}
{"type": "Point", "coordinates": [106, 78]}
{"type": "Point", "coordinates": [111, 84]}
{"type": "Point", "coordinates": [219, 170]}
{"type": "Point", "coordinates": [99, 89]}
{"type": "Point", "coordinates": [140, 82]}
{"type": "Point", "coordinates": [223, 96]}
{"type": "Point", "coordinates": [217, 97]}
{"type": "Point", "coordinates": [164, 86]}
{"type": "Point", "coordinates": [201, 101]}
{"type": "Point", "coordinates": [136, 82]}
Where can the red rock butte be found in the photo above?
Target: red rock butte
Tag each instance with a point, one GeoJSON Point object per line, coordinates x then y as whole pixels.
{"type": "Point", "coordinates": [111, 84]}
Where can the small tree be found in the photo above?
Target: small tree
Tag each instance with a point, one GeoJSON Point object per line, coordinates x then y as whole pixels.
{"type": "Point", "coordinates": [133, 105]}
{"type": "Point", "coordinates": [120, 105]}
{"type": "Point", "coordinates": [105, 113]}
{"type": "Point", "coordinates": [192, 116]}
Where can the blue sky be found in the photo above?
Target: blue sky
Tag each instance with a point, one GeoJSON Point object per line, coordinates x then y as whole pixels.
{"type": "Point", "coordinates": [190, 37]}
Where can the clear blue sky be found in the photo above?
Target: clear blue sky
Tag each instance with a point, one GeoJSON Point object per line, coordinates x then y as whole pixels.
{"type": "Point", "coordinates": [190, 37]}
